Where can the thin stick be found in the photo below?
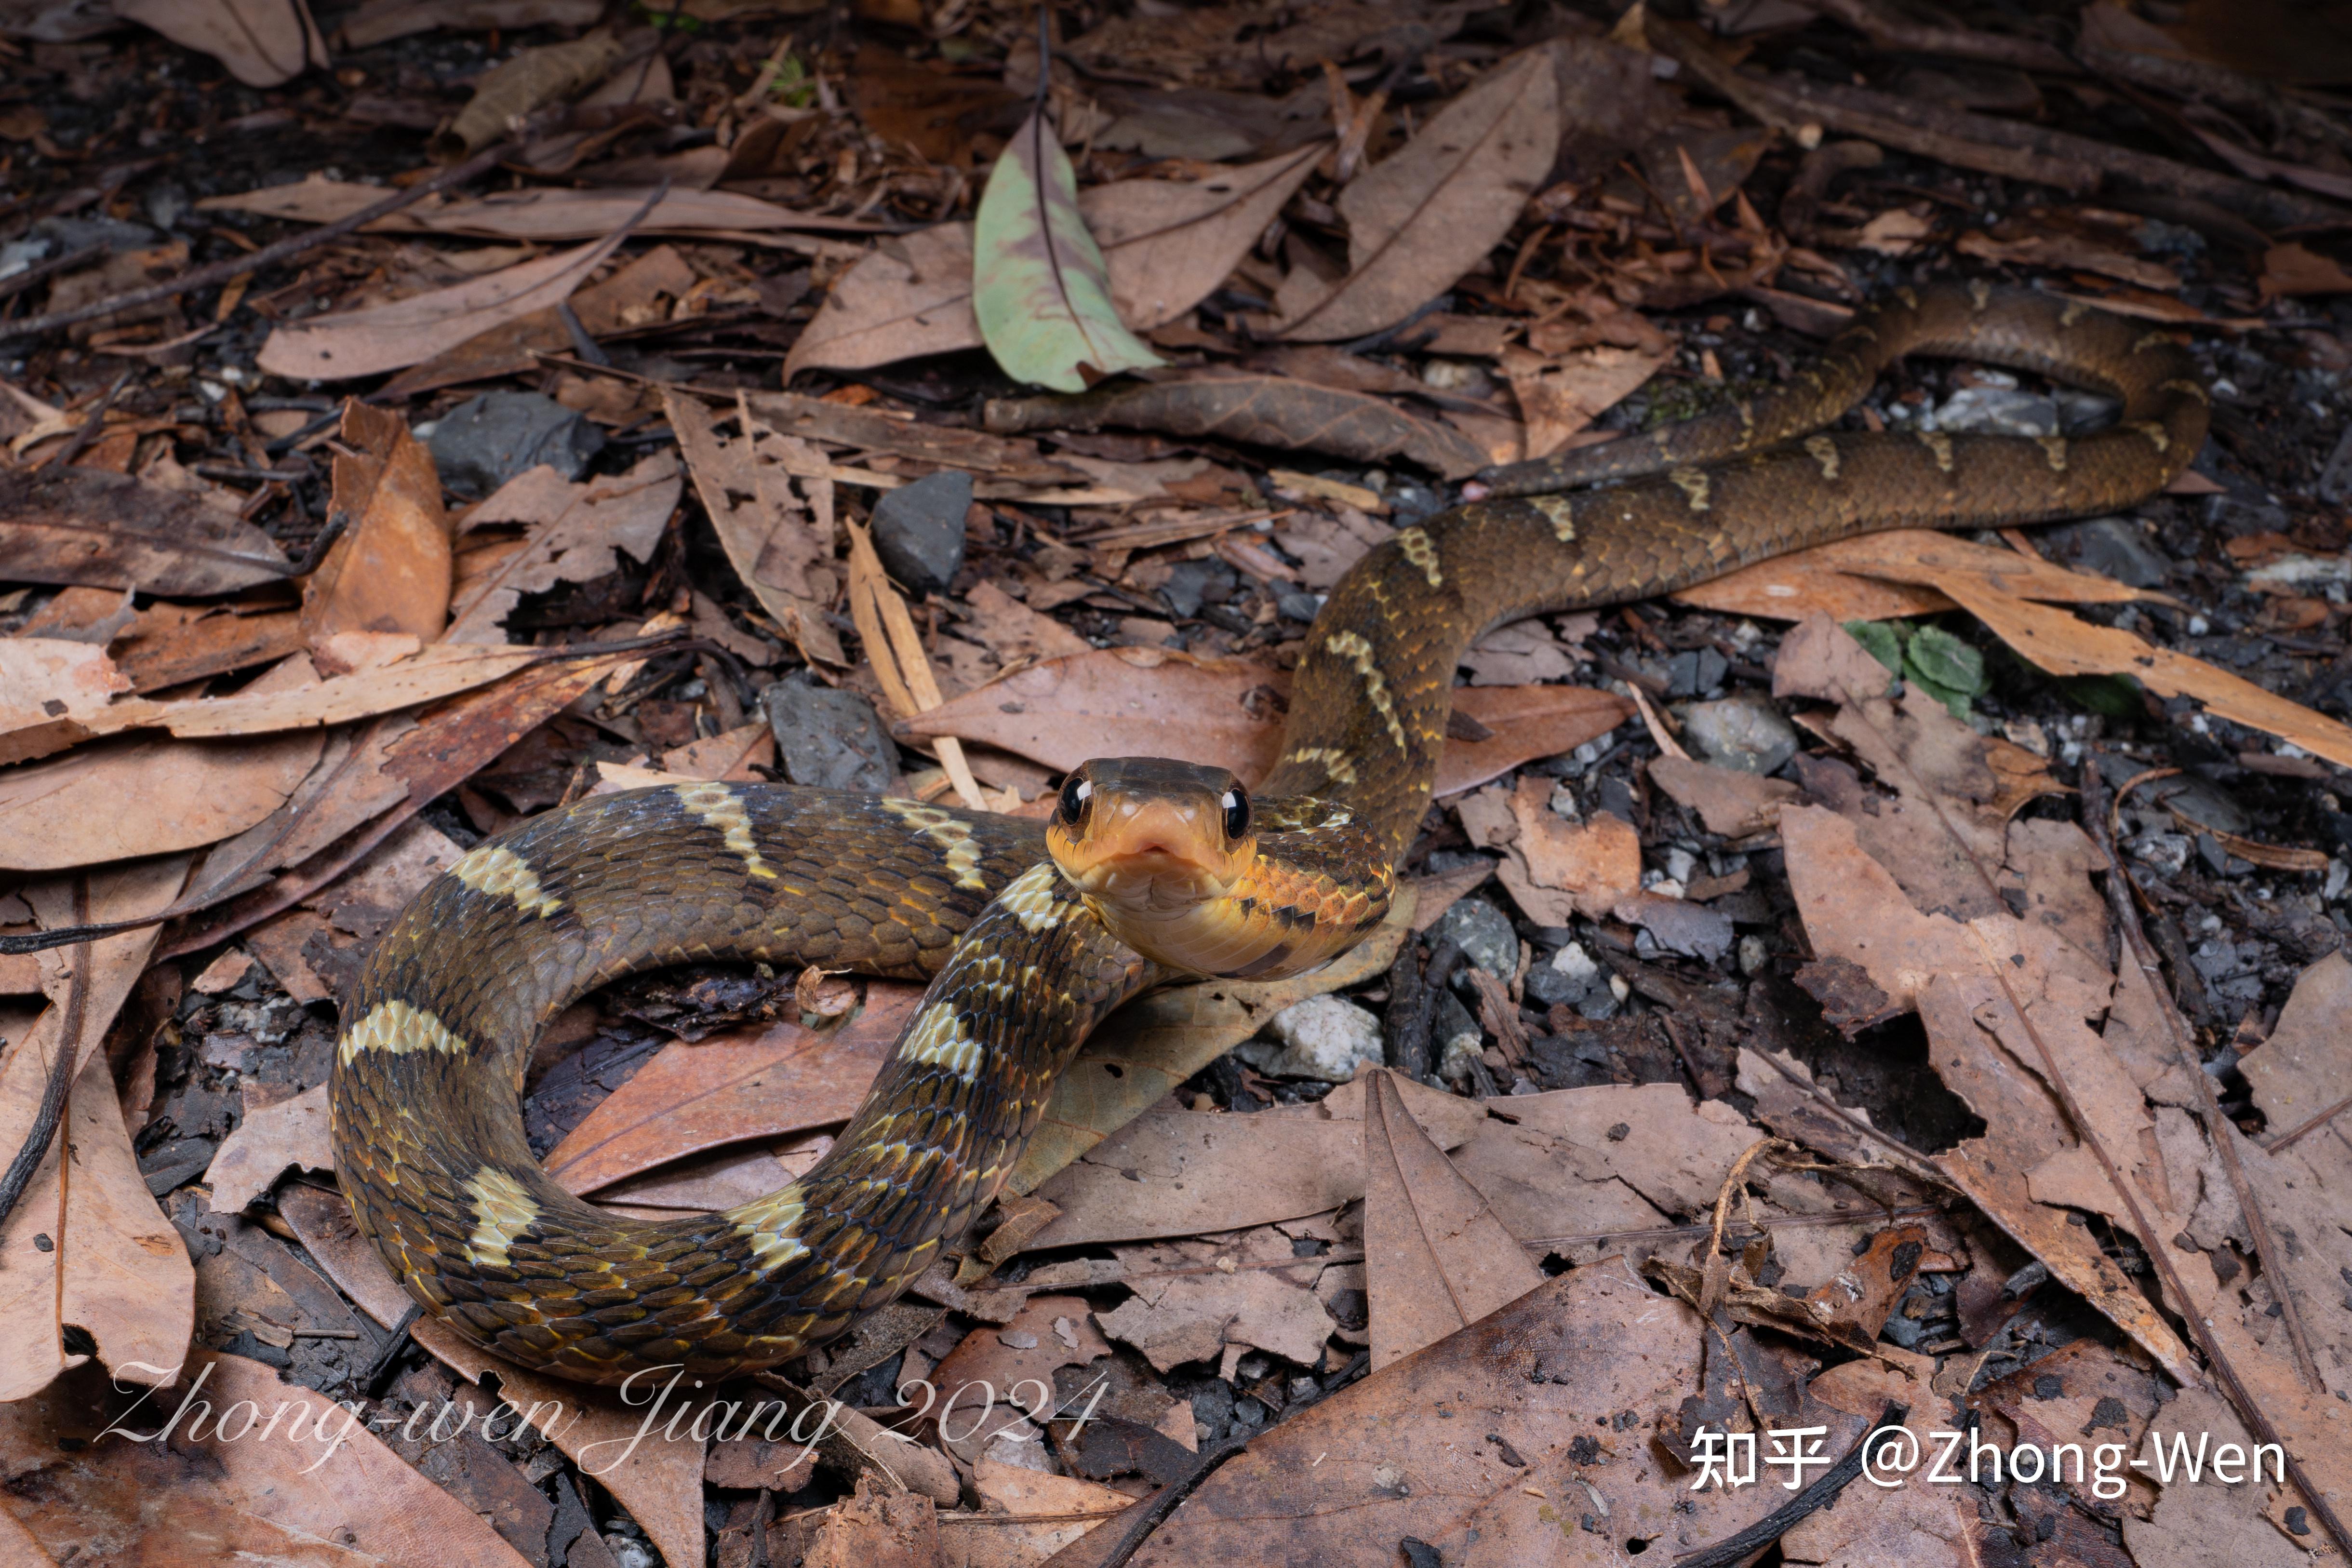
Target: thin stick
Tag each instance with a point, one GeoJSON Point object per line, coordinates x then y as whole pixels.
{"type": "Point", "coordinates": [268, 255]}
{"type": "Point", "coordinates": [1739, 1547]}
{"type": "Point", "coordinates": [35, 1147]}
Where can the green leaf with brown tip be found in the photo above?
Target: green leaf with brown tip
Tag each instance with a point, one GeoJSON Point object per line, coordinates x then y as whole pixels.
{"type": "Point", "coordinates": [1039, 286]}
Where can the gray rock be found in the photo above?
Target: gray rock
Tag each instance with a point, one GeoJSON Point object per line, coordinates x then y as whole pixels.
{"type": "Point", "coordinates": [1694, 672]}
{"type": "Point", "coordinates": [1484, 934]}
{"type": "Point", "coordinates": [2199, 799]}
{"type": "Point", "coordinates": [828, 739]}
{"type": "Point", "coordinates": [1692, 930]}
{"type": "Point", "coordinates": [1455, 1038]}
{"type": "Point", "coordinates": [918, 531]}
{"type": "Point", "coordinates": [2117, 547]}
{"type": "Point", "coordinates": [481, 443]}
{"type": "Point", "coordinates": [1325, 1037]}
{"type": "Point", "coordinates": [1568, 977]}
{"type": "Point", "coordinates": [1997, 411]}
{"type": "Point", "coordinates": [1299, 606]}
{"type": "Point", "coordinates": [1743, 731]}
{"type": "Point", "coordinates": [2336, 479]}
{"type": "Point", "coordinates": [66, 234]}
{"type": "Point", "coordinates": [2081, 413]}
{"type": "Point", "coordinates": [1192, 584]}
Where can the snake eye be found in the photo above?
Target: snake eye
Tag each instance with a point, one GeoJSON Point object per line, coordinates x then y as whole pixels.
{"type": "Point", "coordinates": [1076, 792]}
{"type": "Point", "coordinates": [1237, 813]}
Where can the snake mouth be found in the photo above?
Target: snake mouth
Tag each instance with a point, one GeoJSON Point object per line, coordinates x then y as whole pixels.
{"type": "Point", "coordinates": [1150, 855]}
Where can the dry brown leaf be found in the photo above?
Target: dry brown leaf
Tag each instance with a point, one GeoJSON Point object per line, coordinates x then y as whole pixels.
{"type": "Point", "coordinates": [1153, 1044]}
{"type": "Point", "coordinates": [428, 677]}
{"type": "Point", "coordinates": [1255, 410]}
{"type": "Point", "coordinates": [391, 571]}
{"type": "Point", "coordinates": [2292, 268]}
{"type": "Point", "coordinates": [2304, 1068]}
{"type": "Point", "coordinates": [1015, 633]}
{"type": "Point", "coordinates": [1435, 1257]}
{"type": "Point", "coordinates": [266, 1144]}
{"type": "Point", "coordinates": [45, 680]}
{"type": "Point", "coordinates": [1048, 1512]}
{"type": "Point", "coordinates": [1531, 1400]}
{"type": "Point", "coordinates": [731, 1087]}
{"type": "Point", "coordinates": [529, 80]}
{"type": "Point", "coordinates": [1013, 1364]}
{"type": "Point", "coordinates": [1195, 1301]}
{"type": "Point", "coordinates": [1849, 580]}
{"type": "Point", "coordinates": [2065, 645]}
{"type": "Point", "coordinates": [653, 1471]}
{"type": "Point", "coordinates": [1166, 244]}
{"type": "Point", "coordinates": [322, 1221]}
{"type": "Point", "coordinates": [731, 756]}
{"type": "Point", "coordinates": [262, 42]}
{"type": "Point", "coordinates": [1558, 398]}
{"type": "Point", "coordinates": [1180, 1173]}
{"type": "Point", "coordinates": [541, 213]}
{"type": "Point", "coordinates": [1553, 868]}
{"type": "Point", "coordinates": [409, 332]}
{"type": "Point", "coordinates": [113, 1266]}
{"type": "Point", "coordinates": [575, 530]}
{"type": "Point", "coordinates": [784, 557]}
{"type": "Point", "coordinates": [1139, 701]}
{"type": "Point", "coordinates": [127, 797]}
{"type": "Point", "coordinates": [633, 296]}
{"type": "Point", "coordinates": [84, 525]}
{"type": "Point", "coordinates": [1730, 802]}
{"type": "Point", "coordinates": [318, 1491]}
{"type": "Point", "coordinates": [1421, 217]}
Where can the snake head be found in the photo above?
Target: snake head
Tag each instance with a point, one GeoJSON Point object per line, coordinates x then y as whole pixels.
{"type": "Point", "coordinates": [1147, 840]}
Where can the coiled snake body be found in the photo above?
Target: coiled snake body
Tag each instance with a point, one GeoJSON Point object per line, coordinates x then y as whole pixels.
{"type": "Point", "coordinates": [1156, 870]}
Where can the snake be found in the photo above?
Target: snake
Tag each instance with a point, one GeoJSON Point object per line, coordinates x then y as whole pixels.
{"type": "Point", "coordinates": [1147, 872]}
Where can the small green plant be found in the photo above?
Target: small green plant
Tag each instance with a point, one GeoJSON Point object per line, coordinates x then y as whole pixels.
{"type": "Point", "coordinates": [657, 13]}
{"type": "Point", "coordinates": [793, 85]}
{"type": "Point", "coordinates": [1928, 656]}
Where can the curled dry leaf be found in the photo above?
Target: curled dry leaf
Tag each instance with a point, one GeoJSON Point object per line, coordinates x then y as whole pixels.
{"type": "Point", "coordinates": [432, 674]}
{"type": "Point", "coordinates": [85, 1247]}
{"type": "Point", "coordinates": [2065, 645]}
{"type": "Point", "coordinates": [77, 525]}
{"type": "Point", "coordinates": [391, 571]}
{"type": "Point", "coordinates": [780, 553]}
{"type": "Point", "coordinates": [1421, 218]}
{"type": "Point", "coordinates": [1874, 578]}
{"type": "Point", "coordinates": [514, 87]}
{"type": "Point", "coordinates": [1040, 290]}
{"type": "Point", "coordinates": [1166, 244]}
{"type": "Point", "coordinates": [262, 42]}
{"type": "Point", "coordinates": [1559, 397]}
{"type": "Point", "coordinates": [575, 530]}
{"type": "Point", "coordinates": [632, 296]}
{"type": "Point", "coordinates": [409, 332]}
{"type": "Point", "coordinates": [1255, 410]}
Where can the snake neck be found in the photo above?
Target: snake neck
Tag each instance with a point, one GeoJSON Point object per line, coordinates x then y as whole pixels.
{"type": "Point", "coordinates": [1374, 684]}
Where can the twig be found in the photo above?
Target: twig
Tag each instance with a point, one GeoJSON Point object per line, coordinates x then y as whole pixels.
{"type": "Point", "coordinates": [387, 1355]}
{"type": "Point", "coordinates": [2160, 1255]}
{"type": "Point", "coordinates": [35, 1147]}
{"type": "Point", "coordinates": [1155, 1512]}
{"type": "Point", "coordinates": [268, 255]}
{"type": "Point", "coordinates": [17, 283]}
{"type": "Point", "coordinates": [2208, 1109]}
{"type": "Point", "coordinates": [2273, 1145]}
{"type": "Point", "coordinates": [1739, 1547]}
{"type": "Point", "coordinates": [2074, 163]}
{"type": "Point", "coordinates": [1892, 31]}
{"type": "Point", "coordinates": [78, 443]}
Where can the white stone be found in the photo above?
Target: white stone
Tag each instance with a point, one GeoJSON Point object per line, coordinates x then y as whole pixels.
{"type": "Point", "coordinates": [1576, 963]}
{"type": "Point", "coordinates": [1325, 1037]}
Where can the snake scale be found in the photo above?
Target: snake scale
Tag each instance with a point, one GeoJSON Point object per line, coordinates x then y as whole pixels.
{"type": "Point", "coordinates": [1025, 942]}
